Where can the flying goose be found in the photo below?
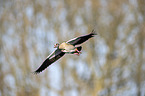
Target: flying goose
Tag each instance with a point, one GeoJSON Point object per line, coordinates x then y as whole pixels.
{"type": "Point", "coordinates": [69, 47]}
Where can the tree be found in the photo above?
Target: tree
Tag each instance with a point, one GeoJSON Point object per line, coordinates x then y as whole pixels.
{"type": "Point", "coordinates": [111, 63]}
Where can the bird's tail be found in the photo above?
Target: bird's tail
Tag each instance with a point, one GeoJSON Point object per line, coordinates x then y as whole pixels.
{"type": "Point", "coordinates": [79, 48]}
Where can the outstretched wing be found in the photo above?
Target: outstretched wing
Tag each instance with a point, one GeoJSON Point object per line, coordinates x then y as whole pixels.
{"type": "Point", "coordinates": [50, 59]}
{"type": "Point", "coordinates": [81, 39]}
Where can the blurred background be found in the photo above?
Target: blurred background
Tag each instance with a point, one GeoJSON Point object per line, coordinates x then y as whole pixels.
{"type": "Point", "coordinates": [111, 64]}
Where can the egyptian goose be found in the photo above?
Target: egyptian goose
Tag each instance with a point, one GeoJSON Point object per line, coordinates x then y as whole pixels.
{"type": "Point", "coordinates": [69, 47]}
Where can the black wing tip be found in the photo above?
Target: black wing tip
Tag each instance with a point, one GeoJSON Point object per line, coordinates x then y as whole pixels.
{"type": "Point", "coordinates": [93, 32]}
{"type": "Point", "coordinates": [79, 48]}
{"type": "Point", "coordinates": [36, 72]}
{"type": "Point", "coordinates": [39, 70]}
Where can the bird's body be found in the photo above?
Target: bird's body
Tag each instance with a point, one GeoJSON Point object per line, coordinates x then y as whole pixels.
{"type": "Point", "coordinates": [69, 47]}
{"type": "Point", "coordinates": [66, 46]}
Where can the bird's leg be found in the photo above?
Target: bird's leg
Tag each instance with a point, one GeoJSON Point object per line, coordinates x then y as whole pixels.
{"type": "Point", "coordinates": [77, 54]}
{"type": "Point", "coordinates": [76, 50]}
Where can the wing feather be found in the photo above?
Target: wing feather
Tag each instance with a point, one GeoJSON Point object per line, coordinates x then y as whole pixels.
{"type": "Point", "coordinates": [81, 39]}
{"type": "Point", "coordinates": [50, 59]}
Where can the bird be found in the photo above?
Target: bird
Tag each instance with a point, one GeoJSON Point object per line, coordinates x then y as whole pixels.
{"type": "Point", "coordinates": [70, 47]}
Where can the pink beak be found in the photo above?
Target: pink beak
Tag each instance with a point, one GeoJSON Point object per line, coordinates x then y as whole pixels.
{"type": "Point", "coordinates": [55, 46]}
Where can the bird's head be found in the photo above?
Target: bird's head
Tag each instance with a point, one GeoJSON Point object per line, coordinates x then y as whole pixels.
{"type": "Point", "coordinates": [56, 45]}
